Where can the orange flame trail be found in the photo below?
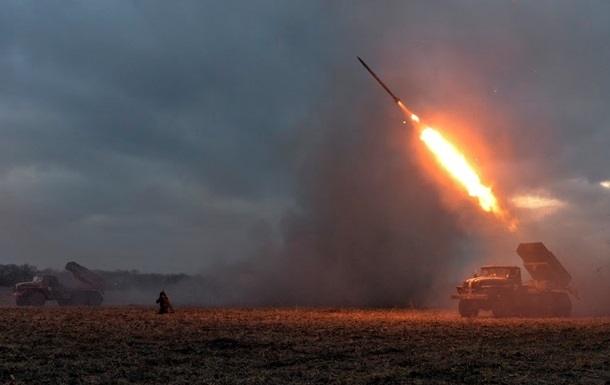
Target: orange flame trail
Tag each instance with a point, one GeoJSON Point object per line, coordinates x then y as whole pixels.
{"type": "Point", "coordinates": [458, 167]}
{"type": "Point", "coordinates": [455, 163]}
{"type": "Point", "coordinates": [451, 159]}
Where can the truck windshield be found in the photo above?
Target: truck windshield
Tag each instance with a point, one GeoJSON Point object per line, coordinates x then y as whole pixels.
{"type": "Point", "coordinates": [37, 278]}
{"type": "Point", "coordinates": [504, 272]}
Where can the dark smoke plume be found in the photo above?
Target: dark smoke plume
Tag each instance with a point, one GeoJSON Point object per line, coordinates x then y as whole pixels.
{"type": "Point", "coordinates": [367, 230]}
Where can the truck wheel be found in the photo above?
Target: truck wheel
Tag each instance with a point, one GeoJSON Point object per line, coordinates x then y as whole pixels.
{"type": "Point", "coordinates": [503, 308]}
{"type": "Point", "coordinates": [36, 299]}
{"type": "Point", "coordinates": [468, 308]}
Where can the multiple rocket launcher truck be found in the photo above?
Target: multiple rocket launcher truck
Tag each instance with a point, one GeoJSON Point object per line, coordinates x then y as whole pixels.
{"type": "Point", "coordinates": [499, 288]}
{"type": "Point", "coordinates": [45, 288]}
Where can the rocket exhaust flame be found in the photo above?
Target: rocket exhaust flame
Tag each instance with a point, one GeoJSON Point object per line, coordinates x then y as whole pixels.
{"type": "Point", "coordinates": [450, 158]}
{"type": "Point", "coordinates": [455, 163]}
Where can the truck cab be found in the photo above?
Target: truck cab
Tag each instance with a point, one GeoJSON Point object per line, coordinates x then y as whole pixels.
{"type": "Point", "coordinates": [490, 277]}
{"type": "Point", "coordinates": [46, 281]}
{"type": "Point", "coordinates": [37, 291]}
{"type": "Point", "coordinates": [42, 282]}
{"type": "Point", "coordinates": [510, 273]}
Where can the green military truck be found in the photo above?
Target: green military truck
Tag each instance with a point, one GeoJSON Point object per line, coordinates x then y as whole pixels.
{"type": "Point", "coordinates": [499, 288]}
{"type": "Point", "coordinates": [43, 288]}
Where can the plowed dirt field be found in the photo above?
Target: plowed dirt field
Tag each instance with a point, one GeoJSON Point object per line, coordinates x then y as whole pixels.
{"type": "Point", "coordinates": [52, 345]}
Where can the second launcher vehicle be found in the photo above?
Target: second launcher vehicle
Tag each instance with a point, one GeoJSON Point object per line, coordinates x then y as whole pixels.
{"type": "Point", "coordinates": [45, 288]}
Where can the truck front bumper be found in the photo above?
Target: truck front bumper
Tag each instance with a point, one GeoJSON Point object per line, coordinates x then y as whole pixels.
{"type": "Point", "coordinates": [480, 297]}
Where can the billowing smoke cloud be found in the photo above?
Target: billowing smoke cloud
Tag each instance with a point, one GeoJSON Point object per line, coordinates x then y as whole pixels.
{"type": "Point", "coordinates": [367, 229]}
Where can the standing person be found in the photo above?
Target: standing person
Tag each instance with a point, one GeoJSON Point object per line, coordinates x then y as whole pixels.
{"type": "Point", "coordinates": [164, 305]}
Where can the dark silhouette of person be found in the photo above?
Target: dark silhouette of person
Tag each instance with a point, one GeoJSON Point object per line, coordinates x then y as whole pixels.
{"type": "Point", "coordinates": [164, 305]}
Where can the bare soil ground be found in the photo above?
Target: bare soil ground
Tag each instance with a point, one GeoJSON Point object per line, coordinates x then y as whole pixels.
{"type": "Point", "coordinates": [52, 345]}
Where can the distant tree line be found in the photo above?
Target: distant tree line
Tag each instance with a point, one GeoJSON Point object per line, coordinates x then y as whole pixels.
{"type": "Point", "coordinates": [11, 274]}
{"type": "Point", "coordinates": [115, 280]}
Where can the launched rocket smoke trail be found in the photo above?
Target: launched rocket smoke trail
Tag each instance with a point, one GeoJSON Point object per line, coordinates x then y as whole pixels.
{"type": "Point", "coordinates": [451, 159]}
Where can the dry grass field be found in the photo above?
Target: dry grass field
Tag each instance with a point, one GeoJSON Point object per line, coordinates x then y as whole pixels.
{"type": "Point", "coordinates": [52, 345]}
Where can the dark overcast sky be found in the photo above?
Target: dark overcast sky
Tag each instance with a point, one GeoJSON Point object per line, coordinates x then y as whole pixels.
{"type": "Point", "coordinates": [180, 136]}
